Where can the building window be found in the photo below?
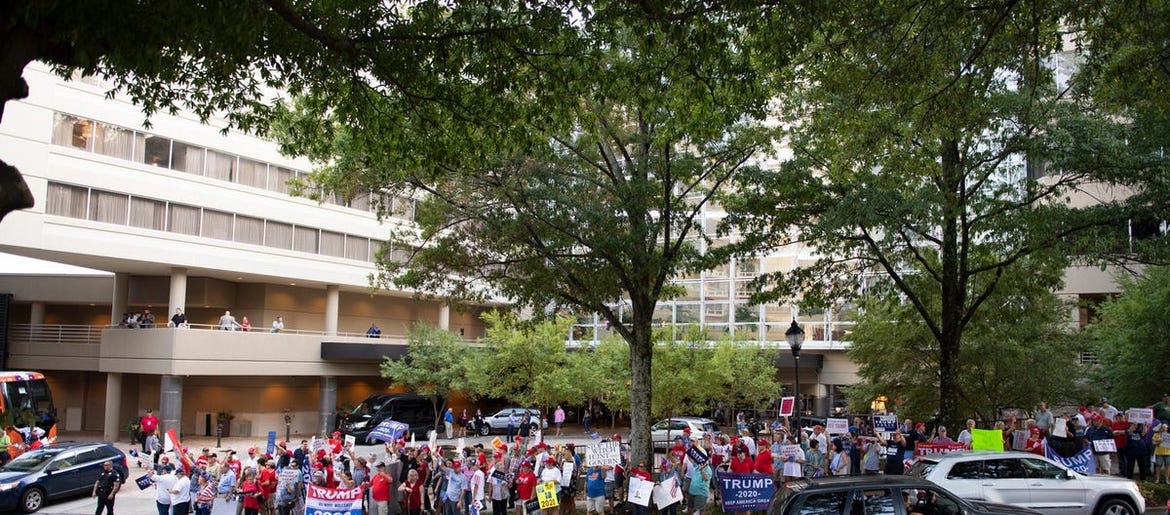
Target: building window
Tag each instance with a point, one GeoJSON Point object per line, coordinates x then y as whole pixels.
{"type": "Point", "coordinates": [278, 235]}
{"type": "Point", "coordinates": [187, 158]}
{"type": "Point", "coordinates": [249, 230]}
{"type": "Point", "coordinates": [71, 131]}
{"type": "Point", "coordinates": [253, 173]}
{"type": "Point", "coordinates": [148, 214]}
{"type": "Point", "coordinates": [280, 178]}
{"type": "Point", "coordinates": [66, 200]}
{"type": "Point", "coordinates": [305, 239]}
{"type": "Point", "coordinates": [220, 165]}
{"type": "Point", "coordinates": [108, 207]}
{"type": "Point", "coordinates": [217, 224]}
{"type": "Point", "coordinates": [114, 142]}
{"type": "Point", "coordinates": [357, 248]}
{"type": "Point", "coordinates": [157, 151]}
{"type": "Point", "coordinates": [183, 219]}
{"type": "Point", "coordinates": [332, 244]}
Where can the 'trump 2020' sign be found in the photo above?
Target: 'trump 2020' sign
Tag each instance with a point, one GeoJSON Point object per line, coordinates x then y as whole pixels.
{"type": "Point", "coordinates": [328, 501]}
{"type": "Point", "coordinates": [745, 492]}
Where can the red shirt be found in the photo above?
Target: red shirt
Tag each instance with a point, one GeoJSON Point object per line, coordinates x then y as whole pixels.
{"type": "Point", "coordinates": [525, 484]}
{"type": "Point", "coordinates": [764, 461]}
{"type": "Point", "coordinates": [1119, 428]}
{"type": "Point", "coordinates": [149, 423]}
{"type": "Point", "coordinates": [413, 497]}
{"type": "Point", "coordinates": [1035, 446]}
{"type": "Point", "coordinates": [268, 480]}
{"type": "Point", "coordinates": [642, 474]}
{"type": "Point", "coordinates": [248, 488]}
{"type": "Point", "coordinates": [380, 487]}
{"type": "Point", "coordinates": [744, 466]}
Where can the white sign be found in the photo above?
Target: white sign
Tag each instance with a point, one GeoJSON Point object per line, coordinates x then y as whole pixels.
{"type": "Point", "coordinates": [837, 426]}
{"type": "Point", "coordinates": [791, 450]}
{"type": "Point", "coordinates": [1060, 428]}
{"type": "Point", "coordinates": [1105, 445]}
{"type": "Point", "coordinates": [461, 443]}
{"type": "Point", "coordinates": [433, 440]}
{"type": "Point", "coordinates": [318, 444]}
{"type": "Point", "coordinates": [606, 453]}
{"type": "Point", "coordinates": [667, 493]}
{"type": "Point", "coordinates": [1140, 415]}
{"type": "Point", "coordinates": [350, 441]}
{"type": "Point", "coordinates": [1020, 439]}
{"type": "Point", "coordinates": [640, 491]}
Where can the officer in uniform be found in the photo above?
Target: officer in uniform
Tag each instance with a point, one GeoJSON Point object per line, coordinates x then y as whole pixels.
{"type": "Point", "coordinates": [106, 486]}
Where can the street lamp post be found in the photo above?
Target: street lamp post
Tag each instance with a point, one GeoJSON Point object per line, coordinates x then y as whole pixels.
{"type": "Point", "coordinates": [795, 337]}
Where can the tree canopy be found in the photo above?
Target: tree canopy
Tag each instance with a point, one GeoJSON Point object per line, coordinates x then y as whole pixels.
{"type": "Point", "coordinates": [435, 364]}
{"type": "Point", "coordinates": [1130, 340]}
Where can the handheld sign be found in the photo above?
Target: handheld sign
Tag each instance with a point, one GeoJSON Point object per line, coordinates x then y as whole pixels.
{"type": "Point", "coordinates": [885, 423]}
{"type": "Point", "coordinates": [546, 493]}
{"type": "Point", "coordinates": [837, 426]}
{"type": "Point", "coordinates": [787, 405]}
{"type": "Point", "coordinates": [640, 491]}
{"type": "Point", "coordinates": [144, 482]}
{"type": "Point", "coordinates": [1105, 445]}
{"type": "Point", "coordinates": [745, 492]}
{"type": "Point", "coordinates": [605, 453]}
{"type": "Point", "coordinates": [336, 502]}
{"type": "Point", "coordinates": [271, 448]}
{"type": "Point", "coordinates": [697, 455]}
{"type": "Point", "coordinates": [667, 493]}
{"type": "Point", "coordinates": [1140, 415]}
{"type": "Point", "coordinates": [389, 431]}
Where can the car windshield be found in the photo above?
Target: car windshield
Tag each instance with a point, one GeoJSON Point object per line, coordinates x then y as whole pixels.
{"type": "Point", "coordinates": [28, 461]}
{"type": "Point", "coordinates": [710, 427]}
{"type": "Point", "coordinates": [367, 408]}
{"type": "Point", "coordinates": [921, 468]}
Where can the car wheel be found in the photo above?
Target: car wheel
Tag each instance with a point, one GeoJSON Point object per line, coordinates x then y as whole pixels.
{"type": "Point", "coordinates": [485, 430]}
{"type": "Point", "coordinates": [1115, 507]}
{"type": "Point", "coordinates": [32, 500]}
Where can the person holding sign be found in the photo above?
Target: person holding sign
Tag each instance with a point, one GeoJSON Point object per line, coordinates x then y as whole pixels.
{"type": "Point", "coordinates": [1101, 438]}
{"type": "Point", "coordinates": [1161, 442]}
{"type": "Point", "coordinates": [700, 489]}
{"type": "Point", "coordinates": [525, 486]}
{"type": "Point", "coordinates": [640, 472]}
{"type": "Point", "coordinates": [669, 473]}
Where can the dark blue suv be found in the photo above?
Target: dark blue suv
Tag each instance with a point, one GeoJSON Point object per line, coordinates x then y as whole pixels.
{"type": "Point", "coordinates": [60, 470]}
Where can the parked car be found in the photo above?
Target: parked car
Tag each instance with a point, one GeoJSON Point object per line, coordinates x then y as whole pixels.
{"type": "Point", "coordinates": [498, 422]}
{"type": "Point", "coordinates": [664, 432]}
{"type": "Point", "coordinates": [62, 470]}
{"type": "Point", "coordinates": [417, 411]}
{"type": "Point", "coordinates": [889, 495]}
{"type": "Point", "coordinates": [1025, 479]}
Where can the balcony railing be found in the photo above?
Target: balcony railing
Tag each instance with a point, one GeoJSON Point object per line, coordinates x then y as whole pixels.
{"type": "Point", "coordinates": [56, 333]}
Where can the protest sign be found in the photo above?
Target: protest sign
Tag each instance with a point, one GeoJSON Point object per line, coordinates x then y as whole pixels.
{"type": "Point", "coordinates": [787, 405]}
{"type": "Point", "coordinates": [640, 491]}
{"type": "Point", "coordinates": [791, 450]}
{"type": "Point", "coordinates": [1060, 428]}
{"type": "Point", "coordinates": [697, 455]}
{"type": "Point", "coordinates": [605, 453]}
{"type": "Point", "coordinates": [1105, 445]}
{"type": "Point", "coordinates": [745, 492]}
{"type": "Point", "coordinates": [144, 482]}
{"type": "Point", "coordinates": [837, 426]}
{"type": "Point", "coordinates": [499, 475]}
{"type": "Point", "coordinates": [667, 493]}
{"type": "Point", "coordinates": [389, 431]}
{"type": "Point", "coordinates": [271, 448]}
{"type": "Point", "coordinates": [287, 475]}
{"type": "Point", "coordinates": [546, 493]}
{"type": "Point", "coordinates": [350, 441]}
{"type": "Point", "coordinates": [923, 449]}
{"type": "Point", "coordinates": [1140, 415]}
{"type": "Point", "coordinates": [1020, 439]}
{"type": "Point", "coordinates": [318, 444]}
{"type": "Point", "coordinates": [499, 444]}
{"type": "Point", "coordinates": [329, 501]}
{"type": "Point", "coordinates": [986, 440]}
{"type": "Point", "coordinates": [885, 423]}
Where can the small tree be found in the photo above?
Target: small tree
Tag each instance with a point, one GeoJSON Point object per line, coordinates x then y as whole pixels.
{"type": "Point", "coordinates": [520, 360]}
{"type": "Point", "coordinates": [433, 366]}
{"type": "Point", "coordinates": [1130, 339]}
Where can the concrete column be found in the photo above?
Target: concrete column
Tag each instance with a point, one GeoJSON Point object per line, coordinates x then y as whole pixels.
{"type": "Point", "coordinates": [37, 317]}
{"type": "Point", "coordinates": [178, 297]}
{"type": "Point", "coordinates": [113, 406]}
{"type": "Point", "coordinates": [328, 404]}
{"type": "Point", "coordinates": [118, 304]}
{"type": "Point", "coordinates": [170, 406]}
{"type": "Point", "coordinates": [332, 299]}
{"type": "Point", "coordinates": [445, 317]}
{"type": "Point", "coordinates": [823, 404]}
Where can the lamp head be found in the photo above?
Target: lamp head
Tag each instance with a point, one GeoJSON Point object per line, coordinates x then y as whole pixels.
{"type": "Point", "coordinates": [795, 336]}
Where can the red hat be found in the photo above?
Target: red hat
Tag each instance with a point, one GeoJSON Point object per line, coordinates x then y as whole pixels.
{"type": "Point", "coordinates": [456, 463]}
{"type": "Point", "coordinates": [281, 443]}
{"type": "Point", "coordinates": [686, 431]}
{"type": "Point", "coordinates": [337, 433]}
{"type": "Point", "coordinates": [321, 453]}
{"type": "Point", "coordinates": [1035, 430]}
{"type": "Point", "coordinates": [290, 453]}
{"type": "Point", "coordinates": [920, 424]}
{"type": "Point", "coordinates": [251, 450]}
{"type": "Point", "coordinates": [519, 438]}
{"type": "Point", "coordinates": [550, 459]}
{"type": "Point", "coordinates": [617, 437]}
{"type": "Point", "coordinates": [763, 441]}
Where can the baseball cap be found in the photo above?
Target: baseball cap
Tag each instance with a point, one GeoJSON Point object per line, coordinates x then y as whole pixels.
{"type": "Point", "coordinates": [763, 441]}
{"type": "Point", "coordinates": [380, 465]}
{"type": "Point", "coordinates": [550, 459]}
{"type": "Point", "coordinates": [456, 463]}
{"type": "Point", "coordinates": [251, 450]}
{"type": "Point", "coordinates": [617, 437]}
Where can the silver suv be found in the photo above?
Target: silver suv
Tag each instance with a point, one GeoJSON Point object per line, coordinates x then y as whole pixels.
{"type": "Point", "coordinates": [1036, 482]}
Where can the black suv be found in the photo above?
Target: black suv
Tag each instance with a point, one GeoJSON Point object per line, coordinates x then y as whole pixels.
{"type": "Point", "coordinates": [870, 495]}
{"type": "Point", "coordinates": [60, 470]}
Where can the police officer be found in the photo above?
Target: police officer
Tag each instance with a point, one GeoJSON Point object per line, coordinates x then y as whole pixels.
{"type": "Point", "coordinates": [106, 486]}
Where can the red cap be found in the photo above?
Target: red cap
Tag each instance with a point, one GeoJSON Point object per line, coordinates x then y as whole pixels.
{"type": "Point", "coordinates": [686, 431]}
{"type": "Point", "coordinates": [617, 437]}
{"type": "Point", "coordinates": [281, 443]}
{"type": "Point", "coordinates": [251, 450]}
{"type": "Point", "coordinates": [763, 441]}
{"type": "Point", "coordinates": [550, 459]}
{"type": "Point", "coordinates": [920, 424]}
{"type": "Point", "coordinates": [519, 438]}
{"type": "Point", "coordinates": [337, 433]}
{"type": "Point", "coordinates": [1035, 430]}
{"type": "Point", "coordinates": [456, 464]}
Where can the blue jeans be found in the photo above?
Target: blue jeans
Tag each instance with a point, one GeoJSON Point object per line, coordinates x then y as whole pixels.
{"type": "Point", "coordinates": [163, 509]}
{"type": "Point", "coordinates": [450, 507]}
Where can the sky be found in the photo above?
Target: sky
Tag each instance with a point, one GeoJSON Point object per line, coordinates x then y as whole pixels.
{"type": "Point", "coordinates": [11, 264]}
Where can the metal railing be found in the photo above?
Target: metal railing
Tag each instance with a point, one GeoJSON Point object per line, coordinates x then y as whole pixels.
{"type": "Point", "coordinates": [56, 333]}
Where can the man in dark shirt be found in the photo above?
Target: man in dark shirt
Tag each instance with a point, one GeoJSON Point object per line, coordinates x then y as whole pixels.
{"type": "Point", "coordinates": [106, 486]}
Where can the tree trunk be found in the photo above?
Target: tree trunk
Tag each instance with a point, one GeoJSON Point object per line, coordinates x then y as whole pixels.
{"type": "Point", "coordinates": [954, 291]}
{"type": "Point", "coordinates": [641, 352]}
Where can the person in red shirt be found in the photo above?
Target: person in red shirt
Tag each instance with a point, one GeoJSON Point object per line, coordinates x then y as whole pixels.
{"type": "Point", "coordinates": [380, 485]}
{"type": "Point", "coordinates": [525, 486]}
{"type": "Point", "coordinates": [267, 482]}
{"type": "Point", "coordinates": [251, 493]}
{"type": "Point", "coordinates": [412, 493]}
{"type": "Point", "coordinates": [1035, 444]}
{"type": "Point", "coordinates": [764, 458]}
{"type": "Point", "coordinates": [679, 450]}
{"type": "Point", "coordinates": [335, 442]}
{"type": "Point", "coordinates": [742, 463]}
{"type": "Point", "coordinates": [147, 424]}
{"type": "Point", "coordinates": [643, 473]}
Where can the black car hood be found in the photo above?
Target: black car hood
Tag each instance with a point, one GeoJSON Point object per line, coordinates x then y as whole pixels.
{"type": "Point", "coordinates": [1004, 509]}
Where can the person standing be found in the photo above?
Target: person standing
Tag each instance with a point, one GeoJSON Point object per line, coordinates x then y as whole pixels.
{"type": "Point", "coordinates": [148, 424]}
{"type": "Point", "coordinates": [147, 320]}
{"type": "Point", "coordinates": [162, 489]}
{"type": "Point", "coordinates": [278, 324]}
{"type": "Point", "coordinates": [178, 319]}
{"type": "Point", "coordinates": [5, 441]}
{"type": "Point", "coordinates": [559, 418]}
{"type": "Point", "coordinates": [374, 331]}
{"type": "Point", "coordinates": [181, 493]}
{"type": "Point", "coordinates": [380, 484]}
{"type": "Point", "coordinates": [1099, 431]}
{"type": "Point", "coordinates": [585, 419]}
{"type": "Point", "coordinates": [449, 423]}
{"type": "Point", "coordinates": [108, 483]}
{"type": "Point", "coordinates": [895, 452]}
{"type": "Point", "coordinates": [245, 325]}
{"type": "Point", "coordinates": [511, 425]}
{"type": "Point", "coordinates": [227, 322]}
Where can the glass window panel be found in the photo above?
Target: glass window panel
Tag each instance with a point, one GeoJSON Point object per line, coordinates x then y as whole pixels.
{"type": "Point", "coordinates": [71, 131]}
{"type": "Point", "coordinates": [66, 200]}
{"type": "Point", "coordinates": [717, 313]}
{"type": "Point", "coordinates": [361, 201]}
{"type": "Point", "coordinates": [716, 290]}
{"type": "Point", "coordinates": [279, 180]}
{"type": "Point", "coordinates": [305, 239]}
{"type": "Point", "coordinates": [687, 313]}
{"type": "Point", "coordinates": [253, 173]}
{"type": "Point", "coordinates": [747, 331]}
{"type": "Point", "coordinates": [747, 268]}
{"type": "Point", "coordinates": [690, 290]}
{"type": "Point", "coordinates": [743, 290]}
{"type": "Point", "coordinates": [663, 313]}
{"type": "Point", "coordinates": [357, 247]}
{"type": "Point", "coordinates": [217, 224]}
{"type": "Point", "coordinates": [777, 313]}
{"type": "Point", "coordinates": [719, 271]}
{"type": "Point", "coordinates": [249, 230]}
{"type": "Point", "coordinates": [158, 151]}
{"type": "Point", "coordinates": [402, 207]}
{"type": "Point", "coordinates": [114, 141]}
{"type": "Point", "coordinates": [148, 214]}
{"type": "Point", "coordinates": [183, 219]}
{"type": "Point", "coordinates": [187, 158]}
{"type": "Point", "coordinates": [375, 248]}
{"type": "Point", "coordinates": [108, 207]}
{"type": "Point", "coordinates": [278, 235]}
{"type": "Point", "coordinates": [220, 165]}
{"type": "Point", "coordinates": [332, 244]}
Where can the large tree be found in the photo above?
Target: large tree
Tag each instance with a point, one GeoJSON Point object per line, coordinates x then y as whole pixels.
{"type": "Point", "coordinates": [435, 365]}
{"type": "Point", "coordinates": [935, 145]}
{"type": "Point", "coordinates": [572, 175]}
{"type": "Point", "coordinates": [1130, 339]}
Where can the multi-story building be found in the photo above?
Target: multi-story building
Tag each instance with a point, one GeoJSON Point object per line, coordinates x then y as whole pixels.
{"type": "Point", "coordinates": [183, 216]}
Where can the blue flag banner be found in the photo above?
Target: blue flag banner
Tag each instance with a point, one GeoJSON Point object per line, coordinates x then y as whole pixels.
{"type": "Point", "coordinates": [885, 423]}
{"type": "Point", "coordinates": [389, 431]}
{"type": "Point", "coordinates": [745, 492]}
{"type": "Point", "coordinates": [1082, 462]}
{"type": "Point", "coordinates": [697, 455]}
{"type": "Point", "coordinates": [271, 443]}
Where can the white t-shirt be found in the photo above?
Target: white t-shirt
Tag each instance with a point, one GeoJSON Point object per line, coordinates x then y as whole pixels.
{"type": "Point", "coordinates": [795, 467]}
{"type": "Point", "coordinates": [163, 483]}
{"type": "Point", "coordinates": [477, 484]}
{"type": "Point", "coordinates": [751, 445]}
{"type": "Point", "coordinates": [183, 486]}
{"type": "Point", "coordinates": [551, 474]}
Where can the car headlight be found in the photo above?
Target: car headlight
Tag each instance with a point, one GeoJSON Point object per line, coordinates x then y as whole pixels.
{"type": "Point", "coordinates": [4, 487]}
{"type": "Point", "coordinates": [359, 425]}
